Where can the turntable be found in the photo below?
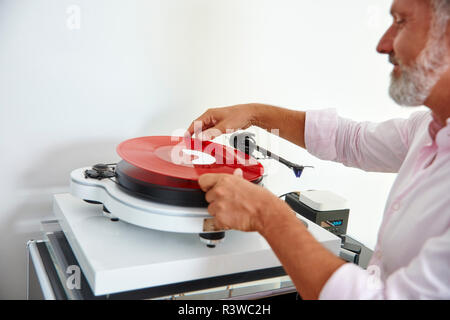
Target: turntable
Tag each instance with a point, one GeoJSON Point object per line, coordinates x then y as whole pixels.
{"type": "Point", "coordinates": [156, 184]}
{"type": "Point", "coordinates": [138, 226]}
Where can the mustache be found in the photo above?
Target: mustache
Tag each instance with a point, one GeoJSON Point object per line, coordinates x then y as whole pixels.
{"type": "Point", "coordinates": [393, 60]}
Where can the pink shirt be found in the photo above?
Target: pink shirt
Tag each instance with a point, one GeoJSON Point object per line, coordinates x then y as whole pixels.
{"type": "Point", "coordinates": [411, 259]}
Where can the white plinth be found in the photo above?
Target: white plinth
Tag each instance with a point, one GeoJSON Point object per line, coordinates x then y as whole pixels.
{"type": "Point", "coordinates": [118, 256]}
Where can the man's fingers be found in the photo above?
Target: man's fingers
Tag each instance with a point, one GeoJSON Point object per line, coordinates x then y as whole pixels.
{"type": "Point", "coordinates": [202, 123]}
{"type": "Point", "coordinates": [189, 131]}
{"type": "Point", "coordinates": [196, 127]}
{"type": "Point", "coordinates": [220, 226]}
{"type": "Point", "coordinates": [238, 172]}
{"type": "Point", "coordinates": [208, 180]}
{"type": "Point", "coordinates": [214, 209]}
{"type": "Point", "coordinates": [210, 196]}
{"type": "Point", "coordinates": [207, 128]}
{"type": "Point", "coordinates": [210, 133]}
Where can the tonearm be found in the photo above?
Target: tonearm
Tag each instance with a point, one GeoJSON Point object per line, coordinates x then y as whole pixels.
{"type": "Point", "coordinates": [245, 142]}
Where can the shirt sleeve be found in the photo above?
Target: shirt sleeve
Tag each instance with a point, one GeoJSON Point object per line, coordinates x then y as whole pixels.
{"type": "Point", "coordinates": [380, 147]}
{"type": "Point", "coordinates": [425, 277]}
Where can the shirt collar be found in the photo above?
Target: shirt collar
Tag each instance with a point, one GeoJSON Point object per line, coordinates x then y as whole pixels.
{"type": "Point", "coordinates": [434, 127]}
{"type": "Point", "coordinates": [440, 134]}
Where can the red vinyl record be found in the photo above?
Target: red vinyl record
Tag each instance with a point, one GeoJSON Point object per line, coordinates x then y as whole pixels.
{"type": "Point", "coordinates": [186, 158]}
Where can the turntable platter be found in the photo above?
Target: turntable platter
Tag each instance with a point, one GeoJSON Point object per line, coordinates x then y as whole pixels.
{"type": "Point", "coordinates": [186, 159]}
{"type": "Point", "coordinates": [166, 169]}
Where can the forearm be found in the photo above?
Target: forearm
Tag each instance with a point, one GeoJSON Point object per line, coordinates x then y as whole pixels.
{"type": "Point", "coordinates": [305, 260]}
{"type": "Point", "coordinates": [290, 123]}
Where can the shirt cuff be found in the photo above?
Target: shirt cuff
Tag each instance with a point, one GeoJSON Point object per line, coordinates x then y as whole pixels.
{"type": "Point", "coordinates": [351, 282]}
{"type": "Point", "coordinates": [320, 133]}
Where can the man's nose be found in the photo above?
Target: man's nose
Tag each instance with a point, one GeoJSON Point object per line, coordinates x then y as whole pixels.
{"type": "Point", "coordinates": [386, 44]}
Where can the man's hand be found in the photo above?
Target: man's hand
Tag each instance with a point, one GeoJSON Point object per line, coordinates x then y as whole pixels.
{"type": "Point", "coordinates": [217, 121]}
{"type": "Point", "coordinates": [289, 124]}
{"type": "Point", "coordinates": [237, 203]}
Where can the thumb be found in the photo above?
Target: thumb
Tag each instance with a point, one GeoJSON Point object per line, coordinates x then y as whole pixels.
{"type": "Point", "coordinates": [238, 172]}
{"type": "Point", "coordinates": [210, 134]}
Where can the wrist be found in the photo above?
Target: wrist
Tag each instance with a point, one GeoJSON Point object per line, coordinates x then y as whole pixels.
{"type": "Point", "coordinates": [274, 215]}
{"type": "Point", "coordinates": [258, 114]}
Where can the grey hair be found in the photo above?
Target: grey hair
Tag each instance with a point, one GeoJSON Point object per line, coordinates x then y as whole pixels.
{"type": "Point", "coordinates": [416, 82]}
{"type": "Point", "coordinates": [441, 9]}
{"type": "Point", "coordinates": [439, 21]}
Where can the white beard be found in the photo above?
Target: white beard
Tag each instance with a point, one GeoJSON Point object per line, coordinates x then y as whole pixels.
{"type": "Point", "coordinates": [415, 82]}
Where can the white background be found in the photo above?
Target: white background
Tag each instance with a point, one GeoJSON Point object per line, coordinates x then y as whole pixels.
{"type": "Point", "coordinates": [69, 96]}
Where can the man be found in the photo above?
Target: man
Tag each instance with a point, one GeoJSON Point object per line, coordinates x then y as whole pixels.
{"type": "Point", "coordinates": [412, 256]}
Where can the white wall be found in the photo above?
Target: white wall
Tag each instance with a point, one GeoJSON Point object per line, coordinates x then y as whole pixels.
{"type": "Point", "coordinates": [68, 97]}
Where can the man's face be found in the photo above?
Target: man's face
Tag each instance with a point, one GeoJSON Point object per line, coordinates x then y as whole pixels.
{"type": "Point", "coordinates": [412, 43]}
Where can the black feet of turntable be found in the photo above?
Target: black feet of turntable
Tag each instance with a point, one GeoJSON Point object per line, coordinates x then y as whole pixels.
{"type": "Point", "coordinates": [106, 212]}
{"type": "Point", "coordinates": [212, 239]}
{"type": "Point", "coordinates": [144, 184]}
{"type": "Point", "coordinates": [100, 171]}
